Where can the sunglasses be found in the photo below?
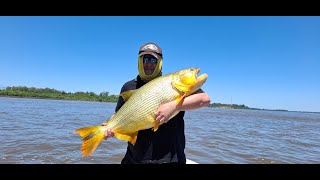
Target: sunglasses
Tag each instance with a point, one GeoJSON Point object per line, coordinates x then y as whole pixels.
{"type": "Point", "coordinates": [150, 59]}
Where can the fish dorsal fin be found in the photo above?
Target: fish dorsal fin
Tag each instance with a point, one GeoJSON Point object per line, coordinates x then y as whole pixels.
{"type": "Point", "coordinates": [127, 137]}
{"type": "Point", "coordinates": [127, 94]}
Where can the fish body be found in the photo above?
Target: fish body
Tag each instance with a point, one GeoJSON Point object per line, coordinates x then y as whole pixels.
{"type": "Point", "coordinates": [138, 111]}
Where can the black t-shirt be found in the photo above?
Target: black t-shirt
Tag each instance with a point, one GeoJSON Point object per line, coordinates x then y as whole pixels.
{"type": "Point", "coordinates": [166, 145]}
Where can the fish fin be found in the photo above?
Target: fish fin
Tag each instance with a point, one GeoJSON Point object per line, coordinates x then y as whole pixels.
{"type": "Point", "coordinates": [127, 137]}
{"type": "Point", "coordinates": [91, 138]}
{"type": "Point", "coordinates": [156, 126]}
{"type": "Point", "coordinates": [127, 94]}
{"type": "Point", "coordinates": [179, 99]}
{"type": "Point", "coordinates": [134, 138]}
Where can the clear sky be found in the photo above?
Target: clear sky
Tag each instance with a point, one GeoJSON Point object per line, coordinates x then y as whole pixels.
{"type": "Point", "coordinates": [259, 61]}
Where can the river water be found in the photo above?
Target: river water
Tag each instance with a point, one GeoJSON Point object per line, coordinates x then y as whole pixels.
{"type": "Point", "coordinates": [40, 131]}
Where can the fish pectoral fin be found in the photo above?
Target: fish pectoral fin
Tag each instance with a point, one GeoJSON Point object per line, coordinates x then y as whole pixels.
{"type": "Point", "coordinates": [127, 137]}
{"type": "Point", "coordinates": [127, 94]}
{"type": "Point", "coordinates": [179, 99]}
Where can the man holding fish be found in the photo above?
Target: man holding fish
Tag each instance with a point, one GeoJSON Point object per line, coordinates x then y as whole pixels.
{"type": "Point", "coordinates": [165, 143]}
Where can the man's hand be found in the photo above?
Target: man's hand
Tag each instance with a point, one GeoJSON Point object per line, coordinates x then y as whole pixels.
{"type": "Point", "coordinates": [109, 132]}
{"type": "Point", "coordinates": [165, 111]}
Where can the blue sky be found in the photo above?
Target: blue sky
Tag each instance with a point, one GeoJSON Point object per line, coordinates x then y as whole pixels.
{"type": "Point", "coordinates": [263, 62]}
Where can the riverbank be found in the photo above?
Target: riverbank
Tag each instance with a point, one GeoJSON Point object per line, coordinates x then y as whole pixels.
{"type": "Point", "coordinates": [48, 93]}
{"type": "Point", "coordinates": [210, 106]}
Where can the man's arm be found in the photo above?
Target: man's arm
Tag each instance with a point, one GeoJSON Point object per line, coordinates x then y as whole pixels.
{"type": "Point", "coordinates": [197, 100]}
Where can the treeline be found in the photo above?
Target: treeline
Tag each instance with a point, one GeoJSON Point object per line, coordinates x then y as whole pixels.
{"type": "Point", "coordinates": [48, 93]}
{"type": "Point", "coordinates": [236, 106]}
{"type": "Point", "coordinates": [233, 106]}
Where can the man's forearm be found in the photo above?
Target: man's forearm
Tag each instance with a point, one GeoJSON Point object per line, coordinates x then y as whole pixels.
{"type": "Point", "coordinates": [194, 101]}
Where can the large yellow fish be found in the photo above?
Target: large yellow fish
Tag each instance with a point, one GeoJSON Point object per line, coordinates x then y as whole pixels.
{"type": "Point", "coordinates": [138, 111]}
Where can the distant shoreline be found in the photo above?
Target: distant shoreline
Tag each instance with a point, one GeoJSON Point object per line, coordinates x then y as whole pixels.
{"type": "Point", "coordinates": [47, 93]}
{"type": "Point", "coordinates": [50, 99]}
{"type": "Point", "coordinates": [116, 102]}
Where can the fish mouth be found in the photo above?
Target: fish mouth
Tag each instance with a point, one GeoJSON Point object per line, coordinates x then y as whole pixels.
{"type": "Point", "coordinates": [198, 70]}
{"type": "Point", "coordinates": [202, 78]}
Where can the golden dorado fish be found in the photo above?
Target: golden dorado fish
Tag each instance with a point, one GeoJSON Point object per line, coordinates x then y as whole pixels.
{"type": "Point", "coordinates": [138, 111]}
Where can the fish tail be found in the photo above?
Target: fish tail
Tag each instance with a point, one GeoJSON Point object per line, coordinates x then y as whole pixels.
{"type": "Point", "coordinates": [91, 138]}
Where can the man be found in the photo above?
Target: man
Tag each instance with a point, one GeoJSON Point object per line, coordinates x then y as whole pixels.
{"type": "Point", "coordinates": [167, 144]}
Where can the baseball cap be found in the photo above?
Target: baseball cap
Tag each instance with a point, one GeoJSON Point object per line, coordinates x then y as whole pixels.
{"type": "Point", "coordinates": [152, 49]}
